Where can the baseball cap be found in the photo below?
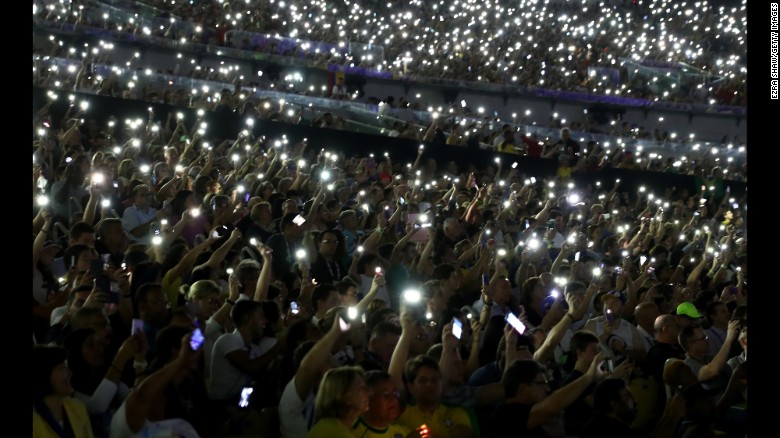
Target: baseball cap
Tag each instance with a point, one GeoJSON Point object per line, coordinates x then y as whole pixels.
{"type": "Point", "coordinates": [688, 309]}
{"type": "Point", "coordinates": [51, 244]}
{"type": "Point", "coordinates": [614, 294]}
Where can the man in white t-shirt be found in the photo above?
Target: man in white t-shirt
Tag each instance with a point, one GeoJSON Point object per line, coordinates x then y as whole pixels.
{"type": "Point", "coordinates": [237, 356]}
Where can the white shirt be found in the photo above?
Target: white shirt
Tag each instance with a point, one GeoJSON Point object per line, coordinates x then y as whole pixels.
{"type": "Point", "coordinates": [225, 380]}
{"type": "Point", "coordinates": [152, 429]}
{"type": "Point", "coordinates": [296, 416]}
{"type": "Point", "coordinates": [716, 337]}
{"type": "Point", "coordinates": [133, 218]}
{"type": "Point", "coordinates": [647, 338]}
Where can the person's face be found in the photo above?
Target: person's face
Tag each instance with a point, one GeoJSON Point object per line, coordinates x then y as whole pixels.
{"type": "Point", "coordinates": [614, 305]}
{"type": "Point", "coordinates": [538, 292]}
{"type": "Point", "coordinates": [84, 260]}
{"type": "Point", "coordinates": [102, 328]}
{"type": "Point", "coordinates": [589, 352]}
{"type": "Point", "coordinates": [383, 346]}
{"type": "Point", "coordinates": [438, 303]}
{"type": "Point", "coordinates": [156, 306]}
{"type": "Point", "coordinates": [699, 344]}
{"type": "Point", "coordinates": [258, 322]}
{"type": "Point", "coordinates": [503, 291]}
{"type": "Point", "coordinates": [721, 315]}
{"type": "Point", "coordinates": [48, 254]}
{"type": "Point", "coordinates": [208, 304]}
{"type": "Point", "coordinates": [539, 388]}
{"type": "Point", "coordinates": [115, 236]}
{"type": "Point", "coordinates": [383, 402]}
{"type": "Point", "coordinates": [426, 388]}
{"type": "Point", "coordinates": [60, 380]}
{"type": "Point", "coordinates": [289, 207]}
{"type": "Point", "coordinates": [85, 239]}
{"type": "Point", "coordinates": [357, 396]}
{"type": "Point", "coordinates": [332, 301]}
{"type": "Point", "coordinates": [329, 244]}
{"type": "Point", "coordinates": [143, 197]}
{"type": "Point", "coordinates": [349, 298]}
{"type": "Point", "coordinates": [92, 351]}
{"type": "Point", "coordinates": [453, 282]}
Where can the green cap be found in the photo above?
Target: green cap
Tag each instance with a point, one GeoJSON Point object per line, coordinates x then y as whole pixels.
{"type": "Point", "coordinates": [689, 310]}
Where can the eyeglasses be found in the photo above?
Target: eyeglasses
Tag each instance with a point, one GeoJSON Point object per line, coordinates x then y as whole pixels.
{"type": "Point", "coordinates": [391, 394]}
{"type": "Point", "coordinates": [544, 382]}
{"type": "Point", "coordinates": [699, 339]}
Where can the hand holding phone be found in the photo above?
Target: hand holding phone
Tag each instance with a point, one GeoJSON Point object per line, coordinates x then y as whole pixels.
{"type": "Point", "coordinates": [138, 326]}
{"type": "Point", "coordinates": [343, 325]}
{"type": "Point", "coordinates": [243, 402]}
{"type": "Point", "coordinates": [515, 323]}
{"type": "Point", "coordinates": [196, 341]}
{"type": "Point", "coordinates": [609, 317]}
{"type": "Point", "coordinates": [457, 328]}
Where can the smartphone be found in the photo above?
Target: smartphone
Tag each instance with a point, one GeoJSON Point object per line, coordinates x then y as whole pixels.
{"type": "Point", "coordinates": [197, 339]}
{"type": "Point", "coordinates": [610, 365]}
{"type": "Point", "coordinates": [247, 196]}
{"type": "Point", "coordinates": [106, 259]}
{"type": "Point", "coordinates": [294, 307]}
{"type": "Point", "coordinates": [401, 200]}
{"type": "Point", "coordinates": [96, 268]}
{"type": "Point", "coordinates": [608, 315]}
{"type": "Point", "coordinates": [299, 220]}
{"type": "Point", "coordinates": [343, 324]}
{"type": "Point", "coordinates": [58, 267]}
{"type": "Point", "coordinates": [577, 256]}
{"type": "Point", "coordinates": [138, 326]}
{"type": "Point", "coordinates": [485, 279]}
{"type": "Point", "coordinates": [606, 215]}
{"type": "Point", "coordinates": [515, 323]}
{"type": "Point", "coordinates": [457, 327]}
{"type": "Point", "coordinates": [243, 402]}
{"type": "Point", "coordinates": [417, 227]}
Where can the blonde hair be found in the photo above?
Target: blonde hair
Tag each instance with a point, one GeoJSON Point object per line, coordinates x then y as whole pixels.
{"type": "Point", "coordinates": [333, 391]}
{"type": "Point", "coordinates": [200, 289]}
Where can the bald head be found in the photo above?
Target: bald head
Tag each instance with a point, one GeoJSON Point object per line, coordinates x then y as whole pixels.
{"type": "Point", "coordinates": [646, 314]}
{"type": "Point", "coordinates": [666, 329]}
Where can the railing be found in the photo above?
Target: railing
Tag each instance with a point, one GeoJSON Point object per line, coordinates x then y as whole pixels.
{"type": "Point", "coordinates": [366, 118]}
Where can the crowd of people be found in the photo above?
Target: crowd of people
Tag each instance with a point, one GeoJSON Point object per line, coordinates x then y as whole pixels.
{"type": "Point", "coordinates": [618, 48]}
{"type": "Point", "coordinates": [186, 285]}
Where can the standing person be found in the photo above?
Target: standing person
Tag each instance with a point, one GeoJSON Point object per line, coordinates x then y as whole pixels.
{"type": "Point", "coordinates": [529, 405]}
{"type": "Point", "coordinates": [341, 398]}
{"type": "Point", "coordinates": [424, 380]}
{"type": "Point", "coordinates": [614, 410]}
{"type": "Point", "coordinates": [55, 412]}
{"type": "Point", "coordinates": [139, 218]}
{"type": "Point", "coordinates": [384, 407]}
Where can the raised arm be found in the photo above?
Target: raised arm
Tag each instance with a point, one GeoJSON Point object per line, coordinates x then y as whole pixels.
{"type": "Point", "coordinates": [261, 290]}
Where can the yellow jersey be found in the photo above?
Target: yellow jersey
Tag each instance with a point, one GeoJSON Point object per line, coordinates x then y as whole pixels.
{"type": "Point", "coordinates": [440, 421]}
{"type": "Point", "coordinates": [361, 429]}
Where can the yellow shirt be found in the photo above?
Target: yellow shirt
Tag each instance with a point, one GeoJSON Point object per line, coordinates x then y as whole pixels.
{"type": "Point", "coordinates": [329, 428]}
{"type": "Point", "coordinates": [77, 417]}
{"type": "Point", "coordinates": [170, 288]}
{"type": "Point", "coordinates": [361, 429]}
{"type": "Point", "coordinates": [440, 421]}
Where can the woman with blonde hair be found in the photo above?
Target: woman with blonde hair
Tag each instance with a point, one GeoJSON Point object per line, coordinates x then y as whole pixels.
{"type": "Point", "coordinates": [341, 398]}
{"type": "Point", "coordinates": [208, 311]}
